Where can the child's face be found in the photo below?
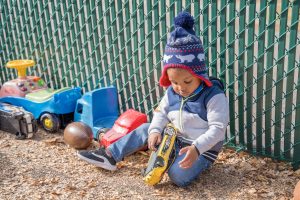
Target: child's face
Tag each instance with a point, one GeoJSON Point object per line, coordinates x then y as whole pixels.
{"type": "Point", "coordinates": [183, 82]}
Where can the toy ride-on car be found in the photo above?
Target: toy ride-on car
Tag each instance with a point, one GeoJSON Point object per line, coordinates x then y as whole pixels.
{"type": "Point", "coordinates": [52, 108]}
{"type": "Point", "coordinates": [98, 109]}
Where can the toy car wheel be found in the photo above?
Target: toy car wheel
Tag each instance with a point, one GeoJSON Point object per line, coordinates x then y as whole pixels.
{"type": "Point", "coordinates": [50, 122]}
{"type": "Point", "coordinates": [20, 136]}
{"type": "Point", "coordinates": [100, 133]}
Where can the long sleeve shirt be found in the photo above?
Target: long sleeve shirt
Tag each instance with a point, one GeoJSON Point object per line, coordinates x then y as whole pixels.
{"type": "Point", "coordinates": [201, 118]}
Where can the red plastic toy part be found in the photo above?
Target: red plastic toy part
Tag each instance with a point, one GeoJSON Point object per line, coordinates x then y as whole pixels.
{"type": "Point", "coordinates": [126, 123]}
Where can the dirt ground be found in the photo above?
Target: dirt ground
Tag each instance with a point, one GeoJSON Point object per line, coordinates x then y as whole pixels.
{"type": "Point", "coordinates": [44, 167]}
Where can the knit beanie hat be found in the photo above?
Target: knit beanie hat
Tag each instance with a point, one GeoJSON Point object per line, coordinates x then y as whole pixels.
{"type": "Point", "coordinates": [184, 50]}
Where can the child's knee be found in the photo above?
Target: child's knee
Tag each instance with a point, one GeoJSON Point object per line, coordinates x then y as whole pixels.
{"type": "Point", "coordinates": [178, 178]}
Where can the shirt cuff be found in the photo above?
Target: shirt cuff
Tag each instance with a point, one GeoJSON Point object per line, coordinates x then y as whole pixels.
{"type": "Point", "coordinates": [197, 150]}
{"type": "Point", "coordinates": [154, 131]}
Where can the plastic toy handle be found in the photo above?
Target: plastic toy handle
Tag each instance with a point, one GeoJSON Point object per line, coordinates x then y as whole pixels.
{"type": "Point", "coordinates": [21, 66]}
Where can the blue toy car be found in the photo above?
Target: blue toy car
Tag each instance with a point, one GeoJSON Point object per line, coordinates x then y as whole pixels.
{"type": "Point", "coordinates": [53, 111]}
{"type": "Point", "coordinates": [98, 109]}
{"type": "Point", "coordinates": [52, 108]}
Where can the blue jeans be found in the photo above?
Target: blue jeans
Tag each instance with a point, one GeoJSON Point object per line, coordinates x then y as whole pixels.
{"type": "Point", "coordinates": [137, 139]}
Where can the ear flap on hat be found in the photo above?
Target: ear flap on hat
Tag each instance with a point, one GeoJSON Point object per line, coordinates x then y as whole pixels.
{"type": "Point", "coordinates": [164, 79]}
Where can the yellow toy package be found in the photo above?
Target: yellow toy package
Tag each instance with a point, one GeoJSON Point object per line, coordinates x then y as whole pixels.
{"type": "Point", "coordinates": [161, 159]}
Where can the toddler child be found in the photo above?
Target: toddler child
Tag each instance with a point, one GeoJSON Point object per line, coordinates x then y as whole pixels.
{"type": "Point", "coordinates": [196, 106]}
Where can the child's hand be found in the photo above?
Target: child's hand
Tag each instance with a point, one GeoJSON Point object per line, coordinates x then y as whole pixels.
{"type": "Point", "coordinates": [190, 157]}
{"type": "Point", "coordinates": [154, 140]}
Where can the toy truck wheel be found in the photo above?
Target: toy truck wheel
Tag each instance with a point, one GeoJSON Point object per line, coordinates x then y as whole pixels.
{"type": "Point", "coordinates": [20, 136]}
{"type": "Point", "coordinates": [50, 122]}
{"type": "Point", "coordinates": [100, 133]}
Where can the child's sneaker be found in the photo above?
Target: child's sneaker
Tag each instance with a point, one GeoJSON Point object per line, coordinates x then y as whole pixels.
{"type": "Point", "coordinates": [99, 158]}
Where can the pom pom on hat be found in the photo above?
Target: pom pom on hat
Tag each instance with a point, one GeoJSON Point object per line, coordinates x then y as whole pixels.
{"type": "Point", "coordinates": [184, 20]}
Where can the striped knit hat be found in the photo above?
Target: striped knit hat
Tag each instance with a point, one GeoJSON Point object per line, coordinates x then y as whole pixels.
{"type": "Point", "coordinates": [184, 50]}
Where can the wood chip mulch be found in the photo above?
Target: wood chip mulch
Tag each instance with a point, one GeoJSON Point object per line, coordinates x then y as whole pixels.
{"type": "Point", "coordinates": [44, 167]}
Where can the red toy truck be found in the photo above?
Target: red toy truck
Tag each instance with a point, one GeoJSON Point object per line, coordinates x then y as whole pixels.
{"type": "Point", "coordinates": [126, 123]}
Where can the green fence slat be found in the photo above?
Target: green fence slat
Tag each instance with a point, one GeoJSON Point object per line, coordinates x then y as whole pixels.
{"type": "Point", "coordinates": [138, 82]}
{"type": "Point", "coordinates": [241, 69]}
{"type": "Point", "coordinates": [43, 39]}
{"type": "Point", "coordinates": [205, 12]}
{"type": "Point", "coordinates": [213, 40]}
{"type": "Point", "coordinates": [163, 39]}
{"type": "Point", "coordinates": [291, 66]}
{"type": "Point", "coordinates": [95, 41]}
{"type": "Point", "coordinates": [172, 14]}
{"type": "Point", "coordinates": [113, 41]}
{"type": "Point", "coordinates": [104, 79]}
{"type": "Point", "coordinates": [269, 76]}
{"type": "Point", "coordinates": [156, 51]}
{"type": "Point", "coordinates": [123, 91]}
{"type": "Point", "coordinates": [66, 10]}
{"type": "Point", "coordinates": [109, 31]}
{"type": "Point", "coordinates": [94, 76]}
{"type": "Point", "coordinates": [296, 159]}
{"type": "Point", "coordinates": [260, 77]}
{"type": "Point", "coordinates": [198, 25]}
{"type": "Point", "coordinates": [52, 69]}
{"type": "Point", "coordinates": [279, 81]}
{"type": "Point", "coordinates": [222, 38]}
{"type": "Point", "coordinates": [73, 24]}
{"type": "Point", "coordinates": [249, 69]}
{"type": "Point", "coordinates": [89, 9]}
{"type": "Point", "coordinates": [188, 5]}
{"type": "Point", "coordinates": [115, 55]}
{"type": "Point", "coordinates": [3, 39]}
{"type": "Point", "coordinates": [75, 45]}
{"type": "Point", "coordinates": [149, 46]}
{"type": "Point", "coordinates": [129, 51]}
{"type": "Point", "coordinates": [142, 53]}
{"type": "Point", "coordinates": [121, 53]}
{"type": "Point", "coordinates": [230, 66]}
{"type": "Point", "coordinates": [178, 6]}
{"type": "Point", "coordinates": [82, 37]}
{"type": "Point", "coordinates": [296, 108]}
